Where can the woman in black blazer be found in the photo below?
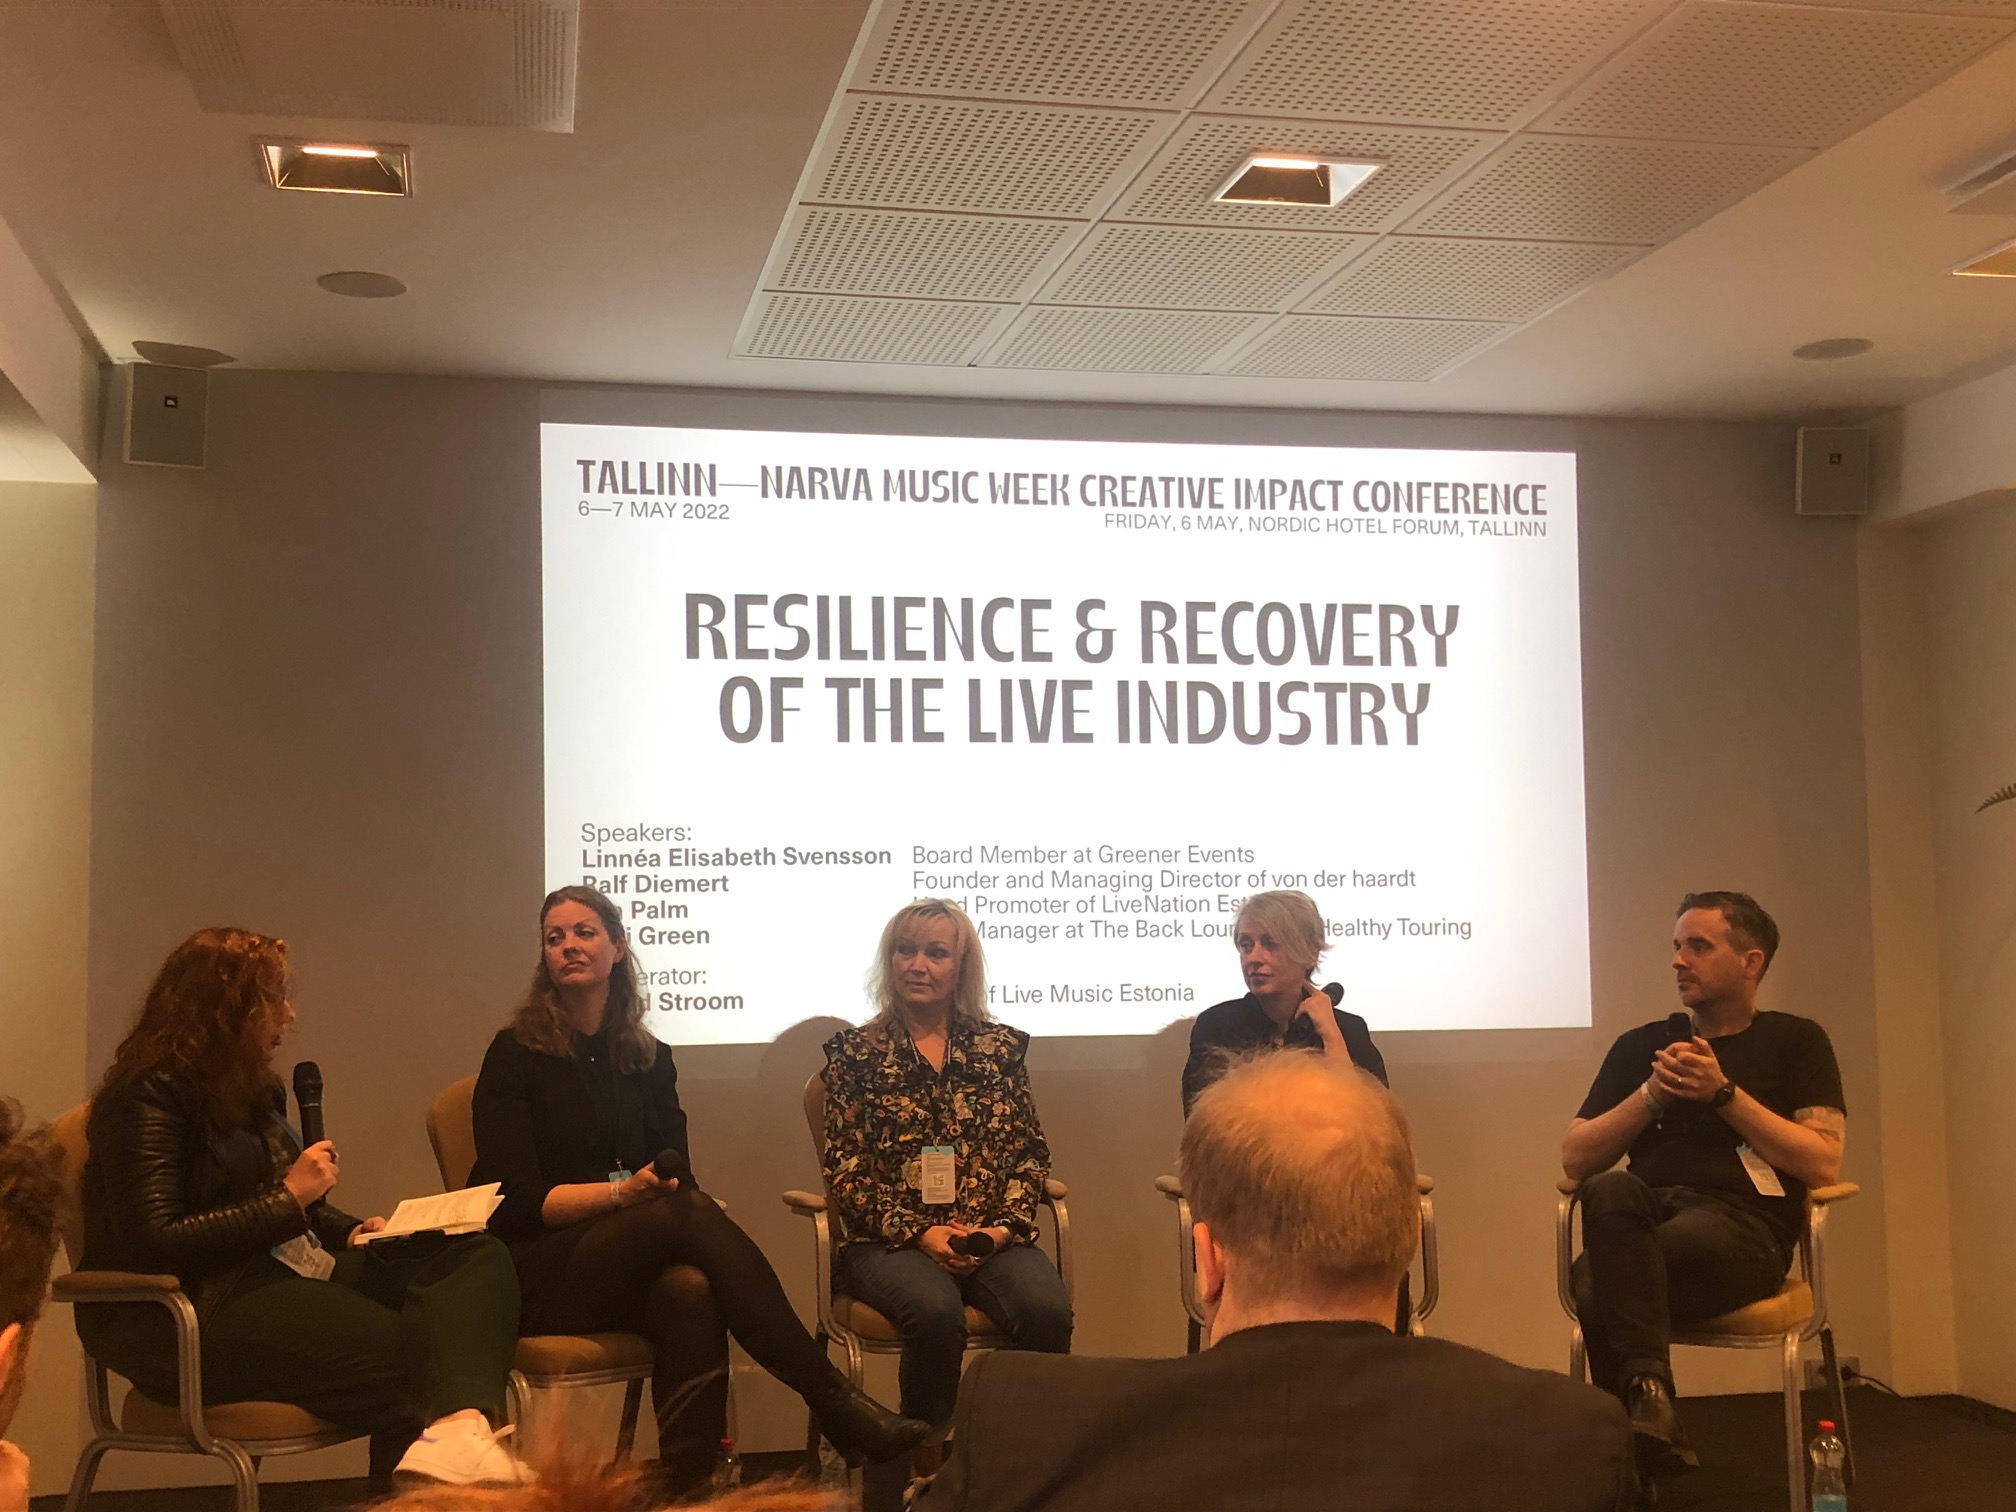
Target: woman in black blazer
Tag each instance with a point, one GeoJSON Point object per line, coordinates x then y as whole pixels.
{"type": "Point", "coordinates": [575, 1102]}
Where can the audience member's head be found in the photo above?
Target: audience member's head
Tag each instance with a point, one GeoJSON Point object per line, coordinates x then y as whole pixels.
{"type": "Point", "coordinates": [29, 1189]}
{"type": "Point", "coordinates": [576, 1487]}
{"type": "Point", "coordinates": [1301, 1180]}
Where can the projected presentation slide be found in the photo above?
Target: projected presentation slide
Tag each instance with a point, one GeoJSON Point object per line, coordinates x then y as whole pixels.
{"type": "Point", "coordinates": [1096, 692]}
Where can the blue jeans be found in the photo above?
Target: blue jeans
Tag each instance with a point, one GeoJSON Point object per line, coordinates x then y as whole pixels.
{"type": "Point", "coordinates": [1017, 1287]}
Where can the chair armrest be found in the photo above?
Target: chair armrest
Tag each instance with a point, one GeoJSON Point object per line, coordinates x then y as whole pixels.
{"type": "Point", "coordinates": [1169, 1186]}
{"type": "Point", "coordinates": [805, 1204]}
{"type": "Point", "coordinates": [1840, 1191]}
{"type": "Point", "coordinates": [1568, 1186]}
{"type": "Point", "coordinates": [1423, 1185]}
{"type": "Point", "coordinates": [1054, 1190]}
{"type": "Point", "coordinates": [114, 1286]}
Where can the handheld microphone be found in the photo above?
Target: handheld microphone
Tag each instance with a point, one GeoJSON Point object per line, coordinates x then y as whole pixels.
{"type": "Point", "coordinates": [1679, 1027]}
{"type": "Point", "coordinates": [1335, 992]}
{"type": "Point", "coordinates": [308, 1094]}
{"type": "Point", "coordinates": [978, 1245]}
{"type": "Point", "coordinates": [670, 1165]}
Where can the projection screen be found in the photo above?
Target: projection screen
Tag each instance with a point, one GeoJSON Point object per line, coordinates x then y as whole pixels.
{"type": "Point", "coordinates": [1096, 692]}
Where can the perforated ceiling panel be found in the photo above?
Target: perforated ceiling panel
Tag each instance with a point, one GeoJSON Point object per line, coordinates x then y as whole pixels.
{"type": "Point", "coordinates": [1587, 189]}
{"type": "Point", "coordinates": [1028, 183]}
{"type": "Point", "coordinates": [960, 155]}
{"type": "Point", "coordinates": [1474, 280]}
{"type": "Point", "coordinates": [1452, 62]}
{"type": "Point", "coordinates": [1178, 267]}
{"type": "Point", "coordinates": [1332, 346]}
{"type": "Point", "coordinates": [1178, 186]}
{"type": "Point", "coordinates": [833, 329]}
{"type": "Point", "coordinates": [907, 252]}
{"type": "Point", "coordinates": [1795, 75]}
{"type": "Point", "coordinates": [451, 62]}
{"type": "Point", "coordinates": [1120, 341]}
{"type": "Point", "coordinates": [1118, 52]}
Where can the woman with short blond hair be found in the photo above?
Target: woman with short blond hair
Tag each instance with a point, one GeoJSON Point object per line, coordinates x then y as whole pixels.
{"type": "Point", "coordinates": [1280, 938]}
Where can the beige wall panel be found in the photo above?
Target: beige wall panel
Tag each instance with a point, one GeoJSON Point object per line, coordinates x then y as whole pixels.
{"type": "Point", "coordinates": [45, 836]}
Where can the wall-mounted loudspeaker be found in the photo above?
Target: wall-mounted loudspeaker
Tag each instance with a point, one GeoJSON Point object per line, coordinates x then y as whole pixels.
{"type": "Point", "coordinates": [166, 414]}
{"type": "Point", "coordinates": [1832, 477]}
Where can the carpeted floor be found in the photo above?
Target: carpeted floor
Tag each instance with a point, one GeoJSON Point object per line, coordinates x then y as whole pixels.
{"type": "Point", "coordinates": [1913, 1454]}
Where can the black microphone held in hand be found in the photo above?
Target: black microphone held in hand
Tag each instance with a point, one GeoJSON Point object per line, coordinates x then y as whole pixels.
{"type": "Point", "coordinates": [979, 1245]}
{"type": "Point", "coordinates": [308, 1094]}
{"type": "Point", "coordinates": [1335, 992]}
{"type": "Point", "coordinates": [670, 1165]}
{"type": "Point", "coordinates": [1679, 1027]}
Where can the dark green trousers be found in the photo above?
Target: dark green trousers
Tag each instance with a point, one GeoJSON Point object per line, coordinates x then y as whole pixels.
{"type": "Point", "coordinates": [405, 1332]}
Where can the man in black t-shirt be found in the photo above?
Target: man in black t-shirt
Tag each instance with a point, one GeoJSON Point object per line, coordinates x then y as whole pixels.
{"type": "Point", "coordinates": [1727, 1115]}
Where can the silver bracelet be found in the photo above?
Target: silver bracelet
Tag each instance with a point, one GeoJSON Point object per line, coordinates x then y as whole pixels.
{"type": "Point", "coordinates": [614, 1200]}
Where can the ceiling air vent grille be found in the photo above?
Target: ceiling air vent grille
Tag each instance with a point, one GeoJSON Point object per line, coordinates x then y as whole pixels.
{"type": "Point", "coordinates": [444, 62]}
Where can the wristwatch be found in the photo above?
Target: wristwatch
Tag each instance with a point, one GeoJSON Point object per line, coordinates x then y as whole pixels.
{"type": "Point", "coordinates": [1724, 1097]}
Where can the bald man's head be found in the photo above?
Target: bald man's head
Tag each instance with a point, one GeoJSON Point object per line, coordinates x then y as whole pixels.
{"type": "Point", "coordinates": [1304, 1174]}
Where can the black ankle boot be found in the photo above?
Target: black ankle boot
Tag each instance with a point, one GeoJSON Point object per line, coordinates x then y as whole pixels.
{"type": "Point", "coordinates": [861, 1428]}
{"type": "Point", "coordinates": [1661, 1444]}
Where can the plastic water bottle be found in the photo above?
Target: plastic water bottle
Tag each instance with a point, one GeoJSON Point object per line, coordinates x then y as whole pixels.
{"type": "Point", "coordinates": [1830, 1458]}
{"type": "Point", "coordinates": [832, 1470]}
{"type": "Point", "coordinates": [727, 1469]}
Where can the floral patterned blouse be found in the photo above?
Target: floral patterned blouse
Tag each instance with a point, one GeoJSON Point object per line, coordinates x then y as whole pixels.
{"type": "Point", "coordinates": [885, 1105]}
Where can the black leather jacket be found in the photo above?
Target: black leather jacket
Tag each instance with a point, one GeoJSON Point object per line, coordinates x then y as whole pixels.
{"type": "Point", "coordinates": [164, 1194]}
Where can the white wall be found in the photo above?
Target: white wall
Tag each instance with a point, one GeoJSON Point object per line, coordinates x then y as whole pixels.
{"type": "Point", "coordinates": [45, 830]}
{"type": "Point", "coordinates": [318, 714]}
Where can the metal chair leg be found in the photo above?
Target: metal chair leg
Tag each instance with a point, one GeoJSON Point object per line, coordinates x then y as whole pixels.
{"type": "Point", "coordinates": [244, 1476]}
{"type": "Point", "coordinates": [626, 1430]}
{"type": "Point", "coordinates": [1193, 1335]}
{"type": "Point", "coordinates": [1578, 1356]}
{"type": "Point", "coordinates": [1838, 1400]}
{"type": "Point", "coordinates": [1795, 1424]}
{"type": "Point", "coordinates": [82, 1477]}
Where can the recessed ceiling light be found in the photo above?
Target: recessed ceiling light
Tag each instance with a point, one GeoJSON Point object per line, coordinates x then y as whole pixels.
{"type": "Point", "coordinates": [358, 284]}
{"type": "Point", "coordinates": [1275, 179]}
{"type": "Point", "coordinates": [336, 167]}
{"type": "Point", "coordinates": [1996, 262]}
{"type": "Point", "coordinates": [1832, 347]}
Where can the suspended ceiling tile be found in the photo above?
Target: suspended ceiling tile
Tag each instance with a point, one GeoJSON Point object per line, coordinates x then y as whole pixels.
{"type": "Point", "coordinates": [832, 328]}
{"type": "Point", "coordinates": [913, 253]}
{"type": "Point", "coordinates": [1554, 188]}
{"type": "Point", "coordinates": [1110, 52]}
{"type": "Point", "coordinates": [1462, 279]}
{"type": "Point", "coordinates": [1349, 347]}
{"type": "Point", "coordinates": [1178, 185]}
{"type": "Point", "coordinates": [1484, 63]}
{"type": "Point", "coordinates": [1119, 341]}
{"type": "Point", "coordinates": [1186, 267]}
{"type": "Point", "coordinates": [1792, 75]}
{"type": "Point", "coordinates": [983, 156]}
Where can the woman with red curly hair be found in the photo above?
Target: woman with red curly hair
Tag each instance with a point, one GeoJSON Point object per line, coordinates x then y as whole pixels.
{"type": "Point", "coordinates": [193, 1171]}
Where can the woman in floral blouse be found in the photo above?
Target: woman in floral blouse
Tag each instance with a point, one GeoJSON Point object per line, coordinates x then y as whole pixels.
{"type": "Point", "coordinates": [932, 1142]}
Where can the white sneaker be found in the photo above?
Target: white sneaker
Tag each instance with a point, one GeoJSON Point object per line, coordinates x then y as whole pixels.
{"type": "Point", "coordinates": [466, 1452]}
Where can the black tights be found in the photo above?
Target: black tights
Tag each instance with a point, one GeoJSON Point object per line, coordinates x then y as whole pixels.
{"type": "Point", "coordinates": [679, 1271]}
